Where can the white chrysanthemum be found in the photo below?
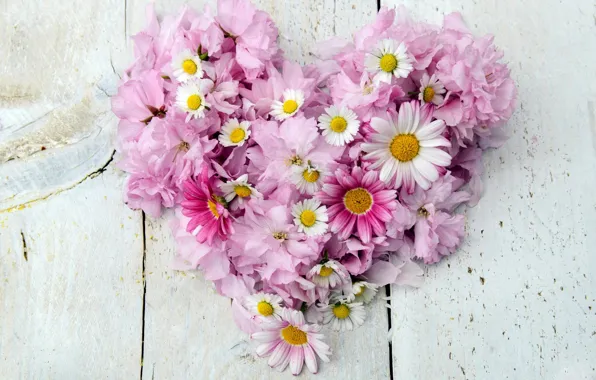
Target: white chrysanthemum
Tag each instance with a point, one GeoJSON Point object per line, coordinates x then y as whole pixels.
{"type": "Point", "coordinates": [339, 125]}
{"type": "Point", "coordinates": [344, 316]}
{"type": "Point", "coordinates": [190, 98]}
{"type": "Point", "coordinates": [264, 305]}
{"type": "Point", "coordinates": [431, 90]}
{"type": "Point", "coordinates": [328, 274]}
{"type": "Point", "coordinates": [234, 133]}
{"type": "Point", "coordinates": [407, 149]}
{"type": "Point", "coordinates": [239, 189]}
{"type": "Point", "coordinates": [362, 291]}
{"type": "Point", "coordinates": [292, 101]}
{"type": "Point", "coordinates": [187, 65]}
{"type": "Point", "coordinates": [308, 178]}
{"type": "Point", "coordinates": [389, 59]}
{"type": "Point", "coordinates": [310, 217]}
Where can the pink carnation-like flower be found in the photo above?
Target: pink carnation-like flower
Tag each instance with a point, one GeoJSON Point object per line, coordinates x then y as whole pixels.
{"type": "Point", "coordinates": [253, 32]}
{"type": "Point", "coordinates": [205, 209]}
{"type": "Point", "coordinates": [357, 202]}
{"type": "Point", "coordinates": [292, 341]}
{"type": "Point", "coordinates": [139, 100]}
{"type": "Point", "coordinates": [437, 231]}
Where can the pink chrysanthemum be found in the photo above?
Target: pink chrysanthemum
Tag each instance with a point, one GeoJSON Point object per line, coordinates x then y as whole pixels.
{"type": "Point", "coordinates": [357, 201]}
{"type": "Point", "coordinates": [205, 209]}
{"type": "Point", "coordinates": [292, 341]}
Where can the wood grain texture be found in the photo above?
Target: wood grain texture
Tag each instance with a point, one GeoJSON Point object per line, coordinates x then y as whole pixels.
{"type": "Point", "coordinates": [56, 74]}
{"type": "Point", "coordinates": [518, 300]}
{"type": "Point", "coordinates": [71, 286]}
{"type": "Point", "coordinates": [189, 331]}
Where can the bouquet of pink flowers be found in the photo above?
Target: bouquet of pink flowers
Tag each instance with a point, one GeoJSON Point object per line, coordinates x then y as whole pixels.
{"type": "Point", "coordinates": [300, 191]}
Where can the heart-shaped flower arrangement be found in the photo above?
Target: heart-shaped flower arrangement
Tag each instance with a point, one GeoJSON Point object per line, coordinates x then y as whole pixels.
{"type": "Point", "coordinates": [299, 191]}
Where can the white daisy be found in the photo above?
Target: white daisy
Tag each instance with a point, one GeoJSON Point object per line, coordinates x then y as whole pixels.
{"type": "Point", "coordinates": [307, 178]}
{"type": "Point", "coordinates": [407, 149]}
{"type": "Point", "coordinates": [234, 133]}
{"type": "Point", "coordinates": [239, 189]}
{"type": "Point", "coordinates": [388, 59]}
{"type": "Point", "coordinates": [187, 65]}
{"type": "Point", "coordinates": [344, 316]}
{"type": "Point", "coordinates": [292, 101]}
{"type": "Point", "coordinates": [362, 291]}
{"type": "Point", "coordinates": [310, 217]}
{"type": "Point", "coordinates": [264, 305]}
{"type": "Point", "coordinates": [190, 98]}
{"type": "Point", "coordinates": [431, 90]}
{"type": "Point", "coordinates": [328, 274]}
{"type": "Point", "coordinates": [339, 126]}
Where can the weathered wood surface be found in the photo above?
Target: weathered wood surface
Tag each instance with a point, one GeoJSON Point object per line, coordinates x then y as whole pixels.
{"type": "Point", "coordinates": [519, 299]}
{"type": "Point", "coordinates": [516, 302]}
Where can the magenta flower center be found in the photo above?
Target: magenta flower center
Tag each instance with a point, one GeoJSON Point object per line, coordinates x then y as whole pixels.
{"type": "Point", "coordinates": [293, 335]}
{"type": "Point", "coordinates": [213, 208]}
{"type": "Point", "coordinates": [358, 200]}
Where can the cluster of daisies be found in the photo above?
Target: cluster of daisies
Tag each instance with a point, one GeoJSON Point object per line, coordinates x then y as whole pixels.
{"type": "Point", "coordinates": [301, 190]}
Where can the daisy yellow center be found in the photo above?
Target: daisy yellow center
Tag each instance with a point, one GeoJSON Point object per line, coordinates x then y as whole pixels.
{"type": "Point", "coordinates": [264, 308]}
{"type": "Point", "coordinates": [280, 235]}
{"type": "Point", "coordinates": [290, 106]}
{"type": "Point", "coordinates": [308, 218]}
{"type": "Point", "coordinates": [213, 208]}
{"type": "Point", "coordinates": [338, 124]}
{"type": "Point", "coordinates": [404, 147]}
{"type": "Point", "coordinates": [341, 311]}
{"type": "Point", "coordinates": [428, 94]}
{"type": "Point", "coordinates": [358, 200]}
{"type": "Point", "coordinates": [194, 102]}
{"type": "Point", "coordinates": [293, 335]}
{"type": "Point", "coordinates": [325, 271]}
{"type": "Point", "coordinates": [310, 176]}
{"type": "Point", "coordinates": [189, 67]}
{"type": "Point", "coordinates": [237, 135]}
{"type": "Point", "coordinates": [360, 292]}
{"type": "Point", "coordinates": [388, 63]}
{"type": "Point", "coordinates": [242, 191]}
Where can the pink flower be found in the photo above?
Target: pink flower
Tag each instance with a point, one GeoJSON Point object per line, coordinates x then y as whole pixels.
{"type": "Point", "coordinates": [470, 68]}
{"type": "Point", "coordinates": [292, 341]}
{"type": "Point", "coordinates": [364, 98]}
{"type": "Point", "coordinates": [183, 149]}
{"type": "Point", "coordinates": [290, 146]}
{"type": "Point", "coordinates": [205, 209]}
{"type": "Point", "coordinates": [357, 202]}
{"type": "Point", "coordinates": [139, 100]}
{"type": "Point", "coordinates": [253, 32]}
{"type": "Point", "coordinates": [266, 231]}
{"type": "Point", "coordinates": [437, 232]}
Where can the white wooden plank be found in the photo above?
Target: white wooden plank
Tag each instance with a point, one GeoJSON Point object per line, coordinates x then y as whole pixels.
{"type": "Point", "coordinates": [534, 315]}
{"type": "Point", "coordinates": [189, 331]}
{"type": "Point", "coordinates": [71, 285]}
{"type": "Point", "coordinates": [55, 77]}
